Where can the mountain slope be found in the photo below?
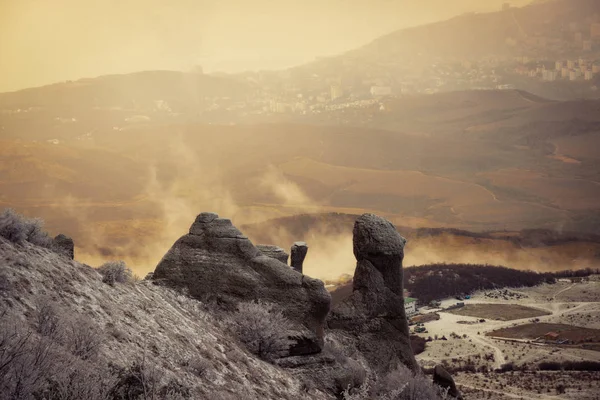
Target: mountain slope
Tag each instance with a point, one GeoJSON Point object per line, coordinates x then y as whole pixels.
{"type": "Point", "coordinates": [478, 34]}
{"type": "Point", "coordinates": [185, 346]}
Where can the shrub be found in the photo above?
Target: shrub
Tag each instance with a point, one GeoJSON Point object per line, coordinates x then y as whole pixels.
{"type": "Point", "coordinates": [506, 367]}
{"type": "Point", "coordinates": [19, 229]}
{"type": "Point", "coordinates": [400, 384]}
{"type": "Point", "coordinates": [262, 329]}
{"type": "Point", "coordinates": [40, 367]}
{"type": "Point", "coordinates": [48, 321]}
{"type": "Point", "coordinates": [83, 339]}
{"type": "Point", "coordinates": [569, 366]}
{"type": "Point", "coordinates": [138, 381]}
{"type": "Point", "coordinates": [115, 271]}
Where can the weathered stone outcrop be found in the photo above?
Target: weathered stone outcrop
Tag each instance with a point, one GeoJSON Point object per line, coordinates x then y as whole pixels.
{"type": "Point", "coordinates": [64, 245]}
{"type": "Point", "coordinates": [275, 252]}
{"type": "Point", "coordinates": [215, 261]}
{"type": "Point", "coordinates": [299, 250]}
{"type": "Point", "coordinates": [442, 378]}
{"type": "Point", "coordinates": [374, 313]}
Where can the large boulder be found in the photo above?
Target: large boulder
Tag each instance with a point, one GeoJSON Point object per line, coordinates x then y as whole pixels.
{"type": "Point", "coordinates": [215, 261]}
{"type": "Point", "coordinates": [373, 314]}
{"type": "Point", "coordinates": [442, 378]}
{"type": "Point", "coordinates": [64, 245]}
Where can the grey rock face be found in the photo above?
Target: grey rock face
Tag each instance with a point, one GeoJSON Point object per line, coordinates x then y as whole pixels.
{"type": "Point", "coordinates": [299, 250]}
{"type": "Point", "coordinates": [374, 312]}
{"type": "Point", "coordinates": [442, 378]}
{"type": "Point", "coordinates": [274, 252]}
{"type": "Point", "coordinates": [215, 261]}
{"type": "Point", "coordinates": [64, 245]}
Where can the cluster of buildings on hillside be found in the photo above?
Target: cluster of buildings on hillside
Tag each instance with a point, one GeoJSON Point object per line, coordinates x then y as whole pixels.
{"type": "Point", "coordinates": [571, 70]}
{"type": "Point", "coordinates": [583, 38]}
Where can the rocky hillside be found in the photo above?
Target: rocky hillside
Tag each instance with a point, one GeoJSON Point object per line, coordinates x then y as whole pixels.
{"type": "Point", "coordinates": [70, 331]}
{"type": "Point", "coordinates": [179, 342]}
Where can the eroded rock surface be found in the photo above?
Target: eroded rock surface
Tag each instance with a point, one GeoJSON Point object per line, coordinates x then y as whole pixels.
{"type": "Point", "coordinates": [299, 250]}
{"type": "Point", "coordinates": [275, 252]}
{"type": "Point", "coordinates": [215, 261]}
{"type": "Point", "coordinates": [373, 314]}
{"type": "Point", "coordinates": [442, 378]}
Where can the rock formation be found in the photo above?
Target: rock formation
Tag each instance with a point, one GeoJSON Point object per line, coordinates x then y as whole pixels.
{"type": "Point", "coordinates": [64, 245]}
{"type": "Point", "coordinates": [215, 261]}
{"type": "Point", "coordinates": [274, 252]}
{"type": "Point", "coordinates": [373, 314]}
{"type": "Point", "coordinates": [299, 250]}
{"type": "Point", "coordinates": [442, 378]}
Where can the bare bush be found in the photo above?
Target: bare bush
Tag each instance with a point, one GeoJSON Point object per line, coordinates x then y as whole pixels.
{"type": "Point", "coordinates": [79, 380]}
{"type": "Point", "coordinates": [138, 381]}
{"type": "Point", "coordinates": [12, 227]}
{"type": "Point", "coordinates": [262, 329]}
{"type": "Point", "coordinates": [142, 381]}
{"type": "Point", "coordinates": [19, 229]}
{"type": "Point", "coordinates": [115, 272]}
{"type": "Point", "coordinates": [49, 362]}
{"type": "Point", "coordinates": [48, 320]}
{"type": "Point", "coordinates": [83, 339]}
{"type": "Point", "coordinates": [400, 384]}
{"type": "Point", "coordinates": [25, 360]}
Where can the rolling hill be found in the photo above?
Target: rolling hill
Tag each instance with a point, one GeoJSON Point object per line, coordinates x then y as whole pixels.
{"type": "Point", "coordinates": [474, 35]}
{"type": "Point", "coordinates": [473, 160]}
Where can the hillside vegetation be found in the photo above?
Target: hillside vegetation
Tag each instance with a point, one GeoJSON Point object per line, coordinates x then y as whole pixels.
{"type": "Point", "coordinates": [439, 281]}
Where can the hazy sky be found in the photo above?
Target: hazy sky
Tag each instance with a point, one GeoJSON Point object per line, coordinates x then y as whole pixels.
{"type": "Point", "coordinates": [44, 41]}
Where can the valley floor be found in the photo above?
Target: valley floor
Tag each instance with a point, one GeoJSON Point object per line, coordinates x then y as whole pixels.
{"type": "Point", "coordinates": [576, 304]}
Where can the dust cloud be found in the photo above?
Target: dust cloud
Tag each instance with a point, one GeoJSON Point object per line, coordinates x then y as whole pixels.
{"type": "Point", "coordinates": [143, 229]}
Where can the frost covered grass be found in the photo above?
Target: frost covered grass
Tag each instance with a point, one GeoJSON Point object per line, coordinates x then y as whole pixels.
{"type": "Point", "coordinates": [400, 384]}
{"type": "Point", "coordinates": [115, 272]}
{"type": "Point", "coordinates": [262, 329]}
{"type": "Point", "coordinates": [142, 331]}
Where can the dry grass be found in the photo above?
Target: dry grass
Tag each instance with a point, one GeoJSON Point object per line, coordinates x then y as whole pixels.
{"type": "Point", "coordinates": [580, 146]}
{"type": "Point", "coordinates": [566, 193]}
{"type": "Point", "coordinates": [500, 312]}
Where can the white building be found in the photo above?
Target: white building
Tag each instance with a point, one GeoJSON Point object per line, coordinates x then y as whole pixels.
{"type": "Point", "coordinates": [381, 91]}
{"type": "Point", "coordinates": [549, 75]}
{"type": "Point", "coordinates": [410, 306]}
{"type": "Point", "coordinates": [589, 75]}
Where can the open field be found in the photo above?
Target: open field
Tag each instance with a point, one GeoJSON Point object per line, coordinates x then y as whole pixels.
{"type": "Point", "coordinates": [587, 291]}
{"type": "Point", "coordinates": [500, 312]}
{"type": "Point", "coordinates": [529, 385]}
{"type": "Point", "coordinates": [464, 343]}
{"type": "Point", "coordinates": [564, 193]}
{"type": "Point", "coordinates": [574, 334]}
